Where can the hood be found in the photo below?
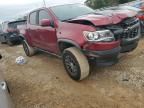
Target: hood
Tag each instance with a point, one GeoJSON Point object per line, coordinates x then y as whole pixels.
{"type": "Point", "coordinates": [106, 17]}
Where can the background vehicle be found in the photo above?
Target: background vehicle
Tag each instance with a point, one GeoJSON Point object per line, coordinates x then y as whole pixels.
{"type": "Point", "coordinates": [5, 101]}
{"type": "Point", "coordinates": [3, 33]}
{"type": "Point", "coordinates": [10, 33]}
{"type": "Point", "coordinates": [138, 4]}
{"type": "Point", "coordinates": [78, 34]}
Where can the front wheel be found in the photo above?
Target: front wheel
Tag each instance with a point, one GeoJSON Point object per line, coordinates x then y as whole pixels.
{"type": "Point", "coordinates": [29, 51]}
{"type": "Point", "coordinates": [9, 42]}
{"type": "Point", "coordinates": [76, 64]}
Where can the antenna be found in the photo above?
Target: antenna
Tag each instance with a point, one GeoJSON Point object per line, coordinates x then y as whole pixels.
{"type": "Point", "coordinates": [44, 3]}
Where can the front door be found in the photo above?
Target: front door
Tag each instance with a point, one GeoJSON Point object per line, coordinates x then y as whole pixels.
{"type": "Point", "coordinates": [47, 34]}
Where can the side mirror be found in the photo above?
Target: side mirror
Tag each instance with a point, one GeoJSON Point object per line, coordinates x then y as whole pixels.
{"type": "Point", "coordinates": [45, 22]}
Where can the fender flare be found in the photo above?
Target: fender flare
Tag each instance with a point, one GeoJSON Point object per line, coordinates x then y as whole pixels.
{"type": "Point", "coordinates": [22, 36]}
{"type": "Point", "coordinates": [69, 41]}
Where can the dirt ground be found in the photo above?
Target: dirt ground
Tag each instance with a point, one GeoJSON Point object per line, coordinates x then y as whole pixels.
{"type": "Point", "coordinates": [43, 83]}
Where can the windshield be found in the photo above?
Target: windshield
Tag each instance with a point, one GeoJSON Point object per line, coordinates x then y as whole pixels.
{"type": "Point", "coordinates": [66, 12]}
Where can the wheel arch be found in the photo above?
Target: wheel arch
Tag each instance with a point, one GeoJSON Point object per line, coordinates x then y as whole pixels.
{"type": "Point", "coordinates": [22, 37]}
{"type": "Point", "coordinates": [66, 43]}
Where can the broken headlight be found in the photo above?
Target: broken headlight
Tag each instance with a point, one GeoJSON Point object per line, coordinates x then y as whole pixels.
{"type": "Point", "coordinates": [99, 36]}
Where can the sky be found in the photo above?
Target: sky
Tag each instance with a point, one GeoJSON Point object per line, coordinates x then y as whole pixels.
{"type": "Point", "coordinates": [11, 9]}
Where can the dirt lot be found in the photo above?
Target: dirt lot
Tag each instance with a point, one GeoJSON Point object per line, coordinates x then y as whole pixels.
{"type": "Point", "coordinates": [43, 82]}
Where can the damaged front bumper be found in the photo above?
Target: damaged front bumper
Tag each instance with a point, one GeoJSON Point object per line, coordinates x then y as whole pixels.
{"type": "Point", "coordinates": [129, 45]}
{"type": "Point", "coordinates": [103, 58]}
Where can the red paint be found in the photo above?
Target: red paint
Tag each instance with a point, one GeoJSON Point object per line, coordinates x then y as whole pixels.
{"type": "Point", "coordinates": [141, 17]}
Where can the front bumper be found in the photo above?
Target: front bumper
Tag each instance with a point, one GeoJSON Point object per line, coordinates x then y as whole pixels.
{"type": "Point", "coordinates": [142, 26]}
{"type": "Point", "coordinates": [130, 38]}
{"type": "Point", "coordinates": [15, 38]}
{"type": "Point", "coordinates": [3, 37]}
{"type": "Point", "coordinates": [129, 45]}
{"type": "Point", "coordinates": [103, 58]}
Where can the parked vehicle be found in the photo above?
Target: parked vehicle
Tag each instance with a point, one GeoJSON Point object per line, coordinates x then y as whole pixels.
{"type": "Point", "coordinates": [138, 4]}
{"type": "Point", "coordinates": [10, 33]}
{"type": "Point", "coordinates": [140, 15]}
{"type": "Point", "coordinates": [78, 34]}
{"type": "Point", "coordinates": [5, 101]}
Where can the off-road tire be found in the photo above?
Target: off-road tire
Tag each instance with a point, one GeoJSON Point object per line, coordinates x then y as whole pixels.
{"type": "Point", "coordinates": [82, 68]}
{"type": "Point", "coordinates": [29, 51]}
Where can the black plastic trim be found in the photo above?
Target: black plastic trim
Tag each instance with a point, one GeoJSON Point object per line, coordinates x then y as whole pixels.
{"type": "Point", "coordinates": [69, 41]}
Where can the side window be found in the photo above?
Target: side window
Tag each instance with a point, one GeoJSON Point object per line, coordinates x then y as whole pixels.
{"type": "Point", "coordinates": [33, 18]}
{"type": "Point", "coordinates": [43, 15]}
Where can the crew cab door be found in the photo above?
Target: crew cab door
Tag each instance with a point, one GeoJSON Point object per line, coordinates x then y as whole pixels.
{"type": "Point", "coordinates": [32, 29]}
{"type": "Point", "coordinates": [47, 34]}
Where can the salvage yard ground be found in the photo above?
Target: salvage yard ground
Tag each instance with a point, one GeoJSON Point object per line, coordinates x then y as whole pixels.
{"type": "Point", "coordinates": [43, 82]}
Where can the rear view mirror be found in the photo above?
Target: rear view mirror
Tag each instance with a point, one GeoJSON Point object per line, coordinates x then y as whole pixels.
{"type": "Point", "coordinates": [45, 22]}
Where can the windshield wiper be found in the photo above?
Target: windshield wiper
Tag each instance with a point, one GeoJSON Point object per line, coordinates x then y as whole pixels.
{"type": "Point", "coordinates": [67, 19]}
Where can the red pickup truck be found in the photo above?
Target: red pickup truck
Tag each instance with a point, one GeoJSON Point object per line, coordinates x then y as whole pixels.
{"type": "Point", "coordinates": [79, 35]}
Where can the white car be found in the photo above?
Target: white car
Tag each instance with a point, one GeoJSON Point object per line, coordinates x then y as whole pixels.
{"type": "Point", "coordinates": [5, 100]}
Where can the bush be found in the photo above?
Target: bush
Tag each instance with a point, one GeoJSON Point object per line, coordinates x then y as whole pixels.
{"type": "Point", "coordinates": [95, 4]}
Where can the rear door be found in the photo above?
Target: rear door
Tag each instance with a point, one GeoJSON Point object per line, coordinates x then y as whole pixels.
{"type": "Point", "coordinates": [32, 29]}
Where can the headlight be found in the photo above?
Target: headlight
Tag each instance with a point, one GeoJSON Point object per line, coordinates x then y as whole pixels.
{"type": "Point", "coordinates": [98, 36]}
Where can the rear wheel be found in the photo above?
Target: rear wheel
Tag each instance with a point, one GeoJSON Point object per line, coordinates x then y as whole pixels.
{"type": "Point", "coordinates": [76, 64]}
{"type": "Point", "coordinates": [29, 51]}
{"type": "Point", "coordinates": [9, 42]}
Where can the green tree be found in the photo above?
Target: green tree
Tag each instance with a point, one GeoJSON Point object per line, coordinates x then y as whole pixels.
{"type": "Point", "coordinates": [123, 1]}
{"type": "Point", "coordinates": [103, 3]}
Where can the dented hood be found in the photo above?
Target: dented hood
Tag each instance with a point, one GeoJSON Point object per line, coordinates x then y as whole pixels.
{"type": "Point", "coordinates": [106, 17]}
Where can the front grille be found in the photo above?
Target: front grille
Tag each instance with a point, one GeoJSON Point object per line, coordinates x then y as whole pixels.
{"type": "Point", "coordinates": [127, 34]}
{"type": "Point", "coordinates": [129, 22]}
{"type": "Point", "coordinates": [127, 29]}
{"type": "Point", "coordinates": [130, 33]}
